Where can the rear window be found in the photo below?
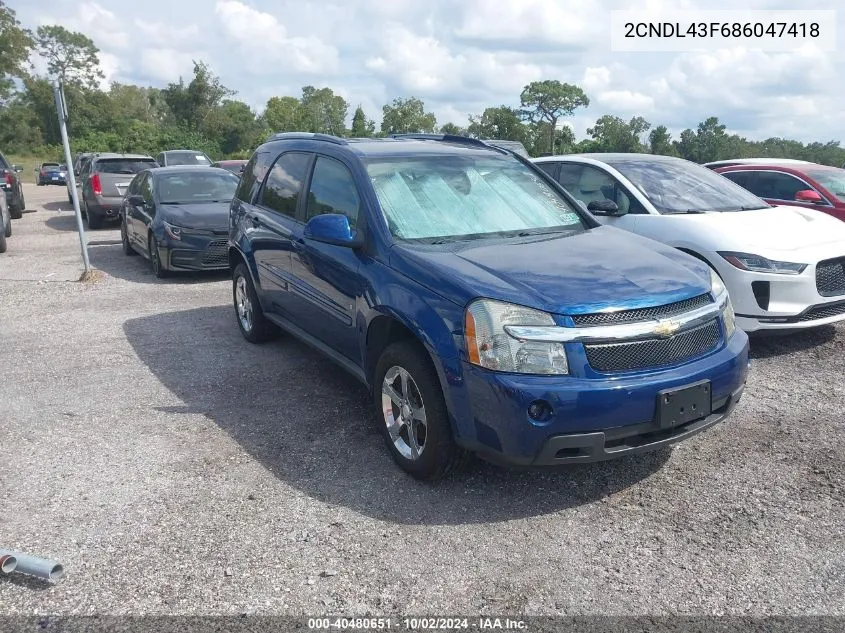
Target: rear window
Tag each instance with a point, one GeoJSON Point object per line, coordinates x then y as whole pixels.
{"type": "Point", "coordinates": [200, 186]}
{"type": "Point", "coordinates": [187, 158]}
{"type": "Point", "coordinates": [123, 165]}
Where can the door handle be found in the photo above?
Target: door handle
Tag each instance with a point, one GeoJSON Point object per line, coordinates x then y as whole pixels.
{"type": "Point", "coordinates": [255, 221]}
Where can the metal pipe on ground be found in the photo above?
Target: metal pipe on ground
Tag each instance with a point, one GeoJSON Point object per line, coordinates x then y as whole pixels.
{"type": "Point", "coordinates": [34, 566]}
{"type": "Point", "coordinates": [8, 563]}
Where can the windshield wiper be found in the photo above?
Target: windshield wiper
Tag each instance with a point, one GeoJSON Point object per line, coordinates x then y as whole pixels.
{"type": "Point", "coordinates": [688, 211]}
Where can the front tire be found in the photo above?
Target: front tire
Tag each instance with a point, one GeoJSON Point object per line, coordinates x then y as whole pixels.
{"type": "Point", "coordinates": [3, 244]}
{"type": "Point", "coordinates": [16, 211]}
{"type": "Point", "coordinates": [124, 238]}
{"type": "Point", "coordinates": [155, 259]}
{"type": "Point", "coordinates": [254, 326]}
{"type": "Point", "coordinates": [411, 413]}
{"type": "Point", "coordinates": [8, 231]}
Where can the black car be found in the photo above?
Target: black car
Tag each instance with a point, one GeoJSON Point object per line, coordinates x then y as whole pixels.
{"type": "Point", "coordinates": [11, 183]}
{"type": "Point", "coordinates": [178, 218]}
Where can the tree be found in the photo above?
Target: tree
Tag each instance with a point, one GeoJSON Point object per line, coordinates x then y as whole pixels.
{"type": "Point", "coordinates": [502, 123]}
{"type": "Point", "coordinates": [452, 129]}
{"type": "Point", "coordinates": [191, 104]}
{"type": "Point", "coordinates": [660, 142]}
{"type": "Point", "coordinates": [407, 116]}
{"type": "Point", "coordinates": [538, 139]}
{"type": "Point", "coordinates": [15, 46]}
{"type": "Point", "coordinates": [616, 135]}
{"type": "Point", "coordinates": [71, 56]}
{"type": "Point", "coordinates": [234, 127]}
{"type": "Point", "coordinates": [283, 114]}
{"type": "Point", "coordinates": [550, 100]}
{"type": "Point", "coordinates": [323, 111]}
{"type": "Point", "coordinates": [362, 127]}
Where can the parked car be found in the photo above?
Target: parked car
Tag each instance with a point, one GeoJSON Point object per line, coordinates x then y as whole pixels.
{"type": "Point", "coordinates": [5, 223]}
{"type": "Point", "coordinates": [10, 182]}
{"type": "Point", "coordinates": [484, 310]}
{"type": "Point", "coordinates": [183, 157]}
{"type": "Point", "coordinates": [78, 161]}
{"type": "Point", "coordinates": [234, 166]}
{"type": "Point", "coordinates": [809, 186]}
{"type": "Point", "coordinates": [105, 179]}
{"type": "Point", "coordinates": [784, 267]}
{"type": "Point", "coordinates": [51, 174]}
{"type": "Point", "coordinates": [754, 161]}
{"type": "Point", "coordinates": [178, 217]}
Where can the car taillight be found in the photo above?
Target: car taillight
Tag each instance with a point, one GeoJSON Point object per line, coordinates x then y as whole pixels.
{"type": "Point", "coordinates": [96, 186]}
{"type": "Point", "coordinates": [10, 179]}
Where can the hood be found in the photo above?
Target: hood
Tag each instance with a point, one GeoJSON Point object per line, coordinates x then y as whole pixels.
{"type": "Point", "coordinates": [210, 216]}
{"type": "Point", "coordinates": [603, 268]}
{"type": "Point", "coordinates": [776, 229]}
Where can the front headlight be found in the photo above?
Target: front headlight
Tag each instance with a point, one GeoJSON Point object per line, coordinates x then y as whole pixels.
{"type": "Point", "coordinates": [758, 264]}
{"type": "Point", "coordinates": [173, 231]}
{"type": "Point", "coordinates": [717, 287]}
{"type": "Point", "coordinates": [491, 347]}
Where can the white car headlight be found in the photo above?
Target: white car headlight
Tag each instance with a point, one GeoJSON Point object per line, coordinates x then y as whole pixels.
{"type": "Point", "coordinates": [758, 264]}
{"type": "Point", "coordinates": [491, 347]}
{"type": "Point", "coordinates": [717, 287]}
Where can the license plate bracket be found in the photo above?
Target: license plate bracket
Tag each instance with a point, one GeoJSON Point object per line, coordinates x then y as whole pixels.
{"type": "Point", "coordinates": [684, 404]}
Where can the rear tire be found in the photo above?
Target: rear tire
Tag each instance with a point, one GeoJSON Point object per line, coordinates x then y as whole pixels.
{"type": "Point", "coordinates": [8, 231]}
{"type": "Point", "coordinates": [94, 221]}
{"type": "Point", "coordinates": [254, 326]}
{"type": "Point", "coordinates": [413, 419]}
{"type": "Point", "coordinates": [2, 241]}
{"type": "Point", "coordinates": [16, 211]}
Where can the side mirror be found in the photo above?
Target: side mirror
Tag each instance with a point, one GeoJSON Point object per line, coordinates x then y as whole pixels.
{"type": "Point", "coordinates": [17, 168]}
{"type": "Point", "coordinates": [332, 228]}
{"type": "Point", "coordinates": [808, 195]}
{"type": "Point", "coordinates": [605, 207]}
{"type": "Point", "coordinates": [136, 201]}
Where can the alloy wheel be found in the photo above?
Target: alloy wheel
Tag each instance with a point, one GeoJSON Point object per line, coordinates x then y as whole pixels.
{"type": "Point", "coordinates": [243, 304]}
{"type": "Point", "coordinates": [404, 412]}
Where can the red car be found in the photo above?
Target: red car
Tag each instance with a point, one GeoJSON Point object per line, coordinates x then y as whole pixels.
{"type": "Point", "coordinates": [810, 185]}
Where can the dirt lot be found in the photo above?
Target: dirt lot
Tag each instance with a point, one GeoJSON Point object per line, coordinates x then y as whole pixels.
{"type": "Point", "coordinates": [174, 468]}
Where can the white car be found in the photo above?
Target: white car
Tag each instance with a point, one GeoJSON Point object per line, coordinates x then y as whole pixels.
{"type": "Point", "coordinates": [784, 267]}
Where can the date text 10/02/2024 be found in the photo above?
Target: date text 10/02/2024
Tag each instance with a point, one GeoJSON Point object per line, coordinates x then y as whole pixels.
{"type": "Point", "coordinates": [417, 624]}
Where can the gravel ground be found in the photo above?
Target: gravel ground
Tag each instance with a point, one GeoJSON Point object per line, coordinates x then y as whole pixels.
{"type": "Point", "coordinates": [175, 469]}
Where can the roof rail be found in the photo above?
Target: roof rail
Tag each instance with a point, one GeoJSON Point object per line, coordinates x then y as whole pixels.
{"type": "Point", "coordinates": [450, 138]}
{"type": "Point", "coordinates": [316, 136]}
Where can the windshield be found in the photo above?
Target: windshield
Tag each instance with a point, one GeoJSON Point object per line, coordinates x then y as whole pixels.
{"type": "Point", "coordinates": [445, 198]}
{"type": "Point", "coordinates": [831, 179]}
{"type": "Point", "coordinates": [123, 165]}
{"type": "Point", "coordinates": [203, 186]}
{"type": "Point", "coordinates": [677, 186]}
{"type": "Point", "coordinates": [187, 158]}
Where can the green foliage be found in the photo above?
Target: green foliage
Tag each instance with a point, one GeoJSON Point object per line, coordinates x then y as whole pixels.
{"type": "Point", "coordinates": [613, 134]}
{"type": "Point", "coordinates": [362, 127]}
{"type": "Point", "coordinates": [15, 46]}
{"type": "Point", "coordinates": [548, 101]}
{"type": "Point", "coordinates": [323, 111]}
{"type": "Point", "coordinates": [502, 123]}
{"type": "Point", "coordinates": [660, 142]}
{"type": "Point", "coordinates": [71, 56]}
{"type": "Point", "coordinates": [407, 116]}
{"type": "Point", "coordinates": [454, 130]}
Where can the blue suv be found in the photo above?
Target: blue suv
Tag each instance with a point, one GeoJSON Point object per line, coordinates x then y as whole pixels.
{"type": "Point", "coordinates": [483, 308]}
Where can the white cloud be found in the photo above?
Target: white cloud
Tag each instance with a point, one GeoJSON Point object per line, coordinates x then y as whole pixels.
{"type": "Point", "coordinates": [167, 64]}
{"type": "Point", "coordinates": [165, 34]}
{"type": "Point", "coordinates": [262, 37]}
{"type": "Point", "coordinates": [103, 26]}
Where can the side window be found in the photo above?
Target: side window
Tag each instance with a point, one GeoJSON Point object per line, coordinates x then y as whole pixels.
{"type": "Point", "coordinates": [591, 184]}
{"type": "Point", "coordinates": [332, 191]}
{"type": "Point", "coordinates": [160, 159]}
{"type": "Point", "coordinates": [133, 186]}
{"type": "Point", "coordinates": [549, 168]}
{"type": "Point", "coordinates": [283, 187]}
{"type": "Point", "coordinates": [253, 175]}
{"type": "Point", "coordinates": [776, 185]}
{"type": "Point", "coordinates": [742, 178]}
{"type": "Point", "coordinates": [145, 188]}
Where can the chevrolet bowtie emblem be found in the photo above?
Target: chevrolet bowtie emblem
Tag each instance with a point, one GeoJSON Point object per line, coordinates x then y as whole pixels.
{"type": "Point", "coordinates": [666, 328]}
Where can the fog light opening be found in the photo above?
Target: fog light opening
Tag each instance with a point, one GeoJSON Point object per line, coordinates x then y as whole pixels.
{"type": "Point", "coordinates": [540, 411]}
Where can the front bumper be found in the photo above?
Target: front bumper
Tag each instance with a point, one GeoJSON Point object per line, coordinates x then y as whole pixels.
{"type": "Point", "coordinates": [764, 301]}
{"type": "Point", "coordinates": [593, 418]}
{"type": "Point", "coordinates": [212, 254]}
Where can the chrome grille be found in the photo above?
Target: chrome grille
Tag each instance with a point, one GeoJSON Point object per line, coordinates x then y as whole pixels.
{"type": "Point", "coordinates": [216, 254]}
{"type": "Point", "coordinates": [656, 352]}
{"type": "Point", "coordinates": [830, 277]}
{"type": "Point", "coordinates": [822, 312]}
{"type": "Point", "coordinates": [642, 314]}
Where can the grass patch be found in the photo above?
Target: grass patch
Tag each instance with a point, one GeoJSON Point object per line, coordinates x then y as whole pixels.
{"type": "Point", "coordinates": [29, 163]}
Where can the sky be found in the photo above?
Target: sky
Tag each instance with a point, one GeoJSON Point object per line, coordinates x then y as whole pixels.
{"type": "Point", "coordinates": [461, 56]}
